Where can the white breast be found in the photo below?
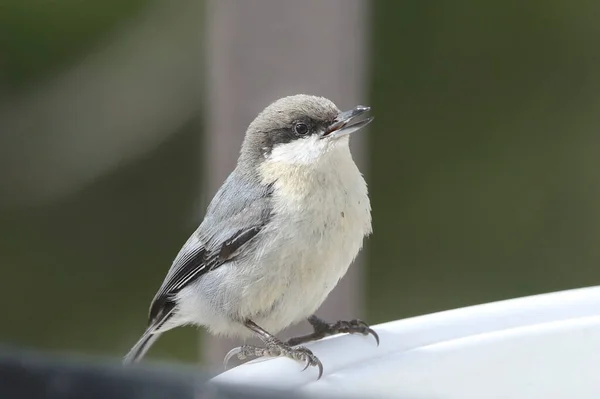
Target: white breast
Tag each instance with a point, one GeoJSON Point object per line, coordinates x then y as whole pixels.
{"type": "Point", "coordinates": [321, 215]}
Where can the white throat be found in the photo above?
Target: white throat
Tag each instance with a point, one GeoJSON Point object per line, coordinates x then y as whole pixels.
{"type": "Point", "coordinates": [309, 150]}
{"type": "Point", "coordinates": [320, 176]}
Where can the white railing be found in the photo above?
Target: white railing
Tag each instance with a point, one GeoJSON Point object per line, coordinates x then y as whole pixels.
{"type": "Point", "coordinates": [543, 346]}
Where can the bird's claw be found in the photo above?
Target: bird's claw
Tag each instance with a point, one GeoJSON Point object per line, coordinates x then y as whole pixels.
{"type": "Point", "coordinates": [276, 349]}
{"type": "Point", "coordinates": [305, 355]}
{"type": "Point", "coordinates": [234, 352]}
{"type": "Point", "coordinates": [355, 326]}
{"type": "Point", "coordinates": [323, 329]}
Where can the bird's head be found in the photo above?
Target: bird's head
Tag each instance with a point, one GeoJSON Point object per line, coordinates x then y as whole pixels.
{"type": "Point", "coordinates": [301, 129]}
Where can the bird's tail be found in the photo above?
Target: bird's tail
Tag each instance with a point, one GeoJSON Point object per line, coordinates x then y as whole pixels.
{"type": "Point", "coordinates": [152, 333]}
{"type": "Point", "coordinates": [141, 347]}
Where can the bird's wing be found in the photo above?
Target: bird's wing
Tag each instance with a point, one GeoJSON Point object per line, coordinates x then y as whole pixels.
{"type": "Point", "coordinates": [237, 214]}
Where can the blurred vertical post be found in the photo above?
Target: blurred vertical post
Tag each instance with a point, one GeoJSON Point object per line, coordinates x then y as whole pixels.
{"type": "Point", "coordinates": [261, 50]}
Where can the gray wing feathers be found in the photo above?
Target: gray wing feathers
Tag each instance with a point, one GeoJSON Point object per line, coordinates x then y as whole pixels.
{"type": "Point", "coordinates": [237, 213]}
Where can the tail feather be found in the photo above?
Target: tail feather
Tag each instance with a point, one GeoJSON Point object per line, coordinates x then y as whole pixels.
{"type": "Point", "coordinates": [141, 347]}
{"type": "Point", "coordinates": [152, 333]}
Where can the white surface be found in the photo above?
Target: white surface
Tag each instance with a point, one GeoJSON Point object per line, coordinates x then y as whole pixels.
{"type": "Point", "coordinates": [544, 346]}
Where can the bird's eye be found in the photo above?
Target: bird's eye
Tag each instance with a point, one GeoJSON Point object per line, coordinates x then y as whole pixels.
{"type": "Point", "coordinates": [301, 129]}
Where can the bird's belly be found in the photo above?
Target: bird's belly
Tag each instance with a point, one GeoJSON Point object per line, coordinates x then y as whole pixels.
{"type": "Point", "coordinates": [309, 284]}
{"type": "Point", "coordinates": [305, 266]}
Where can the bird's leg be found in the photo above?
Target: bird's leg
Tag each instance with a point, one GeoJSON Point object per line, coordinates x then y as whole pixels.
{"type": "Point", "coordinates": [274, 347]}
{"type": "Point", "coordinates": [323, 329]}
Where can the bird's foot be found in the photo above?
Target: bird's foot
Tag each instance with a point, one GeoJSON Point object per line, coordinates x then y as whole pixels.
{"type": "Point", "coordinates": [276, 348]}
{"type": "Point", "coordinates": [323, 329]}
{"type": "Point", "coordinates": [355, 326]}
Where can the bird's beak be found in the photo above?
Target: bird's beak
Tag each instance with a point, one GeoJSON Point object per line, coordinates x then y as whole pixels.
{"type": "Point", "coordinates": [342, 126]}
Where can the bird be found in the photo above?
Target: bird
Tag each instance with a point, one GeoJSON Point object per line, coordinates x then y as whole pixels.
{"type": "Point", "coordinates": [276, 238]}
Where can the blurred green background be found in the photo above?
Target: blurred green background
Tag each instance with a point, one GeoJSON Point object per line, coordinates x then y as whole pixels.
{"type": "Point", "coordinates": [484, 171]}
